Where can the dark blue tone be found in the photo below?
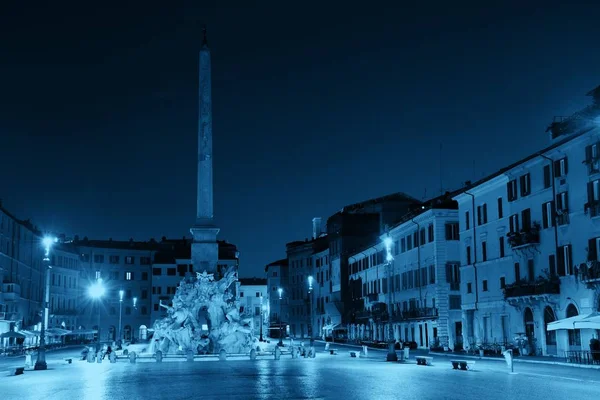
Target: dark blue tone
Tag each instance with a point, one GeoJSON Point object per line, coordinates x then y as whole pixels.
{"type": "Point", "coordinates": [315, 107]}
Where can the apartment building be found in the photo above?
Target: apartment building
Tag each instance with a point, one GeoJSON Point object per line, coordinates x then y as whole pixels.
{"type": "Point", "coordinates": [253, 296]}
{"type": "Point", "coordinates": [529, 244]}
{"type": "Point", "coordinates": [277, 278]}
{"type": "Point", "coordinates": [420, 282]}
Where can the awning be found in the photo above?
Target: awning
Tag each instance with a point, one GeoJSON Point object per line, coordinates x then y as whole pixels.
{"type": "Point", "coordinates": [592, 322]}
{"type": "Point", "coordinates": [570, 323]}
{"type": "Point", "coordinates": [57, 332]}
{"type": "Point", "coordinates": [83, 332]}
{"type": "Point", "coordinates": [12, 334]}
{"type": "Point", "coordinates": [29, 334]}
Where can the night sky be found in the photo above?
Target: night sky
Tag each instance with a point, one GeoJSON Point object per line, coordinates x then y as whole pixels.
{"type": "Point", "coordinates": [314, 107]}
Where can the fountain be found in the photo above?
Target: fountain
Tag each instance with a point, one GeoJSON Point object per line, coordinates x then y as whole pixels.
{"type": "Point", "coordinates": [204, 319]}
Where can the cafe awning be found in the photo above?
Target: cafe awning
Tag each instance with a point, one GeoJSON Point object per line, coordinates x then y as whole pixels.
{"type": "Point", "coordinates": [12, 334]}
{"type": "Point", "coordinates": [570, 323]}
{"type": "Point", "coordinates": [57, 332]}
{"type": "Point", "coordinates": [592, 322]}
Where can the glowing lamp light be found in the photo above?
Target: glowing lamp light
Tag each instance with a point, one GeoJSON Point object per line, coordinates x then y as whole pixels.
{"type": "Point", "coordinates": [388, 242]}
{"type": "Point", "coordinates": [134, 302]}
{"type": "Point", "coordinates": [97, 290]}
{"type": "Point", "coordinates": [280, 291]}
{"type": "Point", "coordinates": [310, 281]}
{"type": "Point", "coordinates": [121, 293]}
{"type": "Point", "coordinates": [48, 241]}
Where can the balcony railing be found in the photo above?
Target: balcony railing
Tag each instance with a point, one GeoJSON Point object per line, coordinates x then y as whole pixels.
{"type": "Point", "coordinates": [590, 271]}
{"type": "Point", "coordinates": [415, 313]}
{"type": "Point", "coordinates": [526, 237]}
{"type": "Point", "coordinates": [562, 217]}
{"type": "Point", "coordinates": [520, 289]}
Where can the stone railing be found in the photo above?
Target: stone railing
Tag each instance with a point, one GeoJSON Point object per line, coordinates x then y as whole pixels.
{"type": "Point", "coordinates": [520, 289]}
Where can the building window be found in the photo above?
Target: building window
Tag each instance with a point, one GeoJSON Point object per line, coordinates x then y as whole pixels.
{"type": "Point", "coordinates": [144, 276]}
{"type": "Point", "coordinates": [484, 285]}
{"type": "Point", "coordinates": [454, 302]}
{"type": "Point", "coordinates": [484, 251]}
{"type": "Point", "coordinates": [547, 177]}
{"type": "Point", "coordinates": [560, 167]}
{"type": "Point", "coordinates": [501, 245]}
{"type": "Point", "coordinates": [511, 189]}
{"type": "Point", "coordinates": [97, 275]}
{"type": "Point", "coordinates": [99, 258]}
{"type": "Point", "coordinates": [593, 193]}
{"type": "Point", "coordinates": [432, 274]}
{"type": "Point", "coordinates": [525, 183]}
{"type": "Point", "coordinates": [129, 260]}
{"type": "Point", "coordinates": [128, 276]}
{"type": "Point", "coordinates": [468, 255]}
{"type": "Point", "coordinates": [500, 211]}
{"type": "Point", "coordinates": [467, 221]}
{"type": "Point", "coordinates": [430, 231]}
{"type": "Point", "coordinates": [257, 294]}
{"type": "Point", "coordinates": [241, 294]}
{"type": "Point", "coordinates": [565, 261]}
{"type": "Point", "coordinates": [144, 295]}
{"type": "Point", "coordinates": [514, 223]}
{"type": "Point", "coordinates": [526, 219]}
{"type": "Point", "coordinates": [155, 307]}
{"type": "Point", "coordinates": [114, 259]}
{"type": "Point", "coordinates": [502, 282]}
{"type": "Point", "coordinates": [530, 270]}
{"type": "Point", "coordinates": [274, 274]}
{"type": "Point", "coordinates": [591, 158]}
{"type": "Point", "coordinates": [145, 261]}
{"type": "Point", "coordinates": [156, 271]}
{"type": "Point", "coordinates": [402, 245]}
{"type": "Point", "coordinates": [562, 208]}
{"type": "Point", "coordinates": [547, 215]}
{"type": "Point", "coordinates": [517, 272]}
{"type": "Point", "coordinates": [452, 231]}
{"type": "Point", "coordinates": [479, 218]}
{"type": "Point", "coordinates": [552, 264]}
{"type": "Point", "coordinates": [171, 271]}
{"type": "Point", "coordinates": [409, 242]}
{"type": "Point", "coordinates": [422, 237]}
{"type": "Point", "coordinates": [469, 287]}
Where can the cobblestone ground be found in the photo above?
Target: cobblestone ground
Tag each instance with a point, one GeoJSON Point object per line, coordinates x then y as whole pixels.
{"type": "Point", "coordinates": [325, 377]}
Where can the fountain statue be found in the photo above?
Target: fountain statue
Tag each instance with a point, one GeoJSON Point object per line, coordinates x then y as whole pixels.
{"type": "Point", "coordinates": [204, 319]}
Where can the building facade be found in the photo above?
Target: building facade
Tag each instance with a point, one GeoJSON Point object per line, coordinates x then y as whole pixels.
{"type": "Point", "coordinates": [253, 296]}
{"type": "Point", "coordinates": [277, 278]}
{"type": "Point", "coordinates": [419, 285]}
{"type": "Point", "coordinates": [529, 247]}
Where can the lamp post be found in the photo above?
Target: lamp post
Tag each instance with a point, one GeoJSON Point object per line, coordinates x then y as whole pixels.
{"type": "Point", "coordinates": [261, 319]}
{"type": "Point", "coordinates": [391, 356]}
{"type": "Point", "coordinates": [310, 322]}
{"type": "Point", "coordinates": [96, 291]}
{"type": "Point", "coordinates": [40, 363]}
{"type": "Point", "coordinates": [280, 291]}
{"type": "Point", "coordinates": [121, 293]}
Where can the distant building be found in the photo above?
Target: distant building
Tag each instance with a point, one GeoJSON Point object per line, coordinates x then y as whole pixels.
{"type": "Point", "coordinates": [425, 292]}
{"type": "Point", "coordinates": [253, 296]}
{"type": "Point", "coordinates": [277, 277]}
{"type": "Point", "coordinates": [65, 289]}
{"type": "Point", "coordinates": [22, 275]}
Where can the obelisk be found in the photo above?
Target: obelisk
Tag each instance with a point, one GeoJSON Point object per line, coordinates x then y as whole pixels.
{"type": "Point", "coordinates": [205, 249]}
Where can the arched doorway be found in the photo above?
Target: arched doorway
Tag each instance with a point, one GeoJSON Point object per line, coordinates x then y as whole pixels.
{"type": "Point", "coordinates": [574, 334]}
{"type": "Point", "coordinates": [143, 334]}
{"type": "Point", "coordinates": [127, 333]}
{"type": "Point", "coordinates": [549, 316]}
{"type": "Point", "coordinates": [529, 329]}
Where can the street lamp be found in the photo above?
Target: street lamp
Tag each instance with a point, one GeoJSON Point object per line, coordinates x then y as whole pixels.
{"type": "Point", "coordinates": [121, 293]}
{"type": "Point", "coordinates": [261, 318]}
{"type": "Point", "coordinates": [40, 363]}
{"type": "Point", "coordinates": [96, 291]}
{"type": "Point", "coordinates": [391, 356]}
{"type": "Point", "coordinates": [310, 304]}
{"type": "Point", "coordinates": [280, 291]}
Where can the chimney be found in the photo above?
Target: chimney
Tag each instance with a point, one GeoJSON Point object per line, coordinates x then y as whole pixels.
{"type": "Point", "coordinates": [316, 227]}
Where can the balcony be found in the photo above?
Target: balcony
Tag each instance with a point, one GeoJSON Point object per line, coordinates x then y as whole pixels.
{"type": "Point", "coordinates": [525, 238]}
{"type": "Point", "coordinates": [415, 313]}
{"type": "Point", "coordinates": [590, 272]}
{"type": "Point", "coordinates": [531, 289]}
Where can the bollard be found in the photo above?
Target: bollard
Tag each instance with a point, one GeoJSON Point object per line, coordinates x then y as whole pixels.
{"type": "Point", "coordinates": [312, 353]}
{"type": "Point", "coordinates": [190, 356]}
{"type": "Point", "coordinates": [90, 357]}
{"type": "Point", "coordinates": [294, 352]}
{"type": "Point", "coordinates": [365, 351]}
{"type": "Point", "coordinates": [253, 354]}
{"type": "Point", "coordinates": [222, 355]}
{"type": "Point", "coordinates": [99, 358]}
{"type": "Point", "coordinates": [159, 356]}
{"type": "Point", "coordinates": [132, 357]}
{"type": "Point", "coordinates": [327, 346]}
{"type": "Point", "coordinates": [277, 353]}
{"type": "Point", "coordinates": [112, 357]}
{"type": "Point", "coordinates": [406, 353]}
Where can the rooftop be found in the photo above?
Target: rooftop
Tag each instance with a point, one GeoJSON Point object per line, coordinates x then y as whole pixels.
{"type": "Point", "coordinates": [253, 281]}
